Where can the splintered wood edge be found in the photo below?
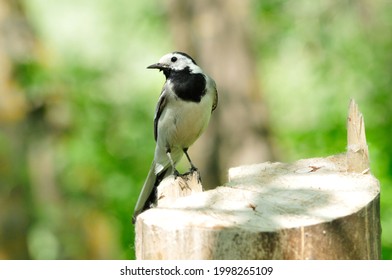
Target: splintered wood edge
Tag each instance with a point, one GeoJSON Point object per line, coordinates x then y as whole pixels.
{"type": "Point", "coordinates": [357, 148]}
{"type": "Point", "coordinates": [171, 188]}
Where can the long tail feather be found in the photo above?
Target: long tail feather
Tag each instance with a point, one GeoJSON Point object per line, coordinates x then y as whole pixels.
{"type": "Point", "coordinates": [148, 194]}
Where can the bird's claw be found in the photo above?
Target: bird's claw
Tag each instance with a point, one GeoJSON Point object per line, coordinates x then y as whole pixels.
{"type": "Point", "coordinates": [194, 170]}
{"type": "Point", "coordinates": [176, 173]}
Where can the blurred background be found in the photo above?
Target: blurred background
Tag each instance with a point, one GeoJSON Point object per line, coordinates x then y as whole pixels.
{"type": "Point", "coordinates": [77, 104]}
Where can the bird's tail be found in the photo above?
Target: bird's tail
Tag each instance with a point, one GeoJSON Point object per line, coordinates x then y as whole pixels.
{"type": "Point", "coordinates": [148, 194]}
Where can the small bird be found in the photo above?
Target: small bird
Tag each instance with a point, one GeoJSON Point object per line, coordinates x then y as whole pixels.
{"type": "Point", "coordinates": [182, 114]}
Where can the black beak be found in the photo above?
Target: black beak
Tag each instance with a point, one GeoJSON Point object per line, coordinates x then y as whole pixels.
{"type": "Point", "coordinates": [159, 66]}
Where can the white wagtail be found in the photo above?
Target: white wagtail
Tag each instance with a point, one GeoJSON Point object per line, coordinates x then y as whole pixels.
{"type": "Point", "coordinates": [183, 111]}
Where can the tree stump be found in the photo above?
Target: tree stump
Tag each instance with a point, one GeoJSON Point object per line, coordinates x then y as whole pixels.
{"type": "Point", "coordinates": [318, 208]}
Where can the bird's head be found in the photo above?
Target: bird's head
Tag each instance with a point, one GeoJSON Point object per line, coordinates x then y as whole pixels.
{"type": "Point", "coordinates": [176, 61]}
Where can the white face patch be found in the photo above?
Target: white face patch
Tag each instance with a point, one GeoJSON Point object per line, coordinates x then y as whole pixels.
{"type": "Point", "coordinates": [179, 62]}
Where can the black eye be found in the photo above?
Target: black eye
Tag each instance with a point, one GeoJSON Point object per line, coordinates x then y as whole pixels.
{"type": "Point", "coordinates": [174, 59]}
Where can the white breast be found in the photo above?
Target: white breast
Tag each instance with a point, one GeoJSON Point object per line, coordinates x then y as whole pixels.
{"type": "Point", "coordinates": [182, 122]}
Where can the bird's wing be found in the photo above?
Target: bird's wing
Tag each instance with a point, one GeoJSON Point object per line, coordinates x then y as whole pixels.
{"type": "Point", "coordinates": [158, 111]}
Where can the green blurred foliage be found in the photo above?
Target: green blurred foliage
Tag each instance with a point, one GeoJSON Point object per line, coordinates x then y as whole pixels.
{"type": "Point", "coordinates": [93, 102]}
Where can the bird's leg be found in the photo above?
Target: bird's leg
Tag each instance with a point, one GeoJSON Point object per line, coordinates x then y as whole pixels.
{"type": "Point", "coordinates": [193, 168]}
{"type": "Point", "coordinates": [175, 171]}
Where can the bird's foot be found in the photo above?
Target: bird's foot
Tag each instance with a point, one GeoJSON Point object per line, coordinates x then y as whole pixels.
{"type": "Point", "coordinates": [176, 173]}
{"type": "Point", "coordinates": [192, 170]}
